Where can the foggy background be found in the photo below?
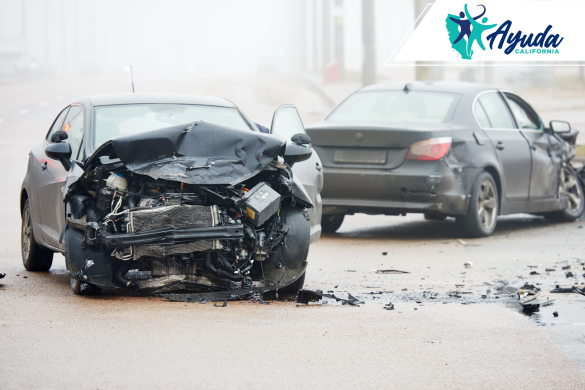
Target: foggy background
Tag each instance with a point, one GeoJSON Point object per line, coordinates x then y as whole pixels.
{"type": "Point", "coordinates": [257, 53]}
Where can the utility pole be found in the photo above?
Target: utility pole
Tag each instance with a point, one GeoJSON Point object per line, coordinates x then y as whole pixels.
{"type": "Point", "coordinates": [427, 72]}
{"type": "Point", "coordinates": [369, 42]}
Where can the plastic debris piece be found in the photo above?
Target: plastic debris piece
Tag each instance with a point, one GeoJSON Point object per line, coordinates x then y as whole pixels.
{"type": "Point", "coordinates": [384, 253]}
{"type": "Point", "coordinates": [550, 269]}
{"type": "Point", "coordinates": [556, 314]}
{"type": "Point", "coordinates": [570, 275]}
{"type": "Point", "coordinates": [389, 306]}
{"type": "Point", "coordinates": [2, 275]}
{"type": "Point", "coordinates": [390, 271]}
{"type": "Point", "coordinates": [464, 243]}
{"type": "Point", "coordinates": [224, 304]}
{"type": "Point", "coordinates": [468, 264]}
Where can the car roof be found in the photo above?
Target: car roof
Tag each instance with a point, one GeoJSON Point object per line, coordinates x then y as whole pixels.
{"type": "Point", "coordinates": [459, 87]}
{"type": "Point", "coordinates": [156, 98]}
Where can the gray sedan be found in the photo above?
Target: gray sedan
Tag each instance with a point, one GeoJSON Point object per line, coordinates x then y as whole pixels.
{"type": "Point", "coordinates": [184, 188]}
{"type": "Point", "coordinates": [462, 150]}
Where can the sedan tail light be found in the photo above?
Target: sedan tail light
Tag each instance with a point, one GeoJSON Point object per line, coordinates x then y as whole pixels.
{"type": "Point", "coordinates": [432, 149]}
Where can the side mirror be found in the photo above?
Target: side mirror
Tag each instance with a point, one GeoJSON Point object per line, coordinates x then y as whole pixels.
{"type": "Point", "coordinates": [294, 153]}
{"type": "Point", "coordinates": [59, 136]}
{"type": "Point", "coordinates": [560, 127]}
{"type": "Point", "coordinates": [60, 151]}
{"type": "Point", "coordinates": [301, 139]}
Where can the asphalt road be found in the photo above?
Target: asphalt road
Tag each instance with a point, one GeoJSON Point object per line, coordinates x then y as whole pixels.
{"type": "Point", "coordinates": [50, 338]}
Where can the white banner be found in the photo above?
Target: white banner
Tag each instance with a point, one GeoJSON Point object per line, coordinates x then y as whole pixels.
{"type": "Point", "coordinates": [501, 31]}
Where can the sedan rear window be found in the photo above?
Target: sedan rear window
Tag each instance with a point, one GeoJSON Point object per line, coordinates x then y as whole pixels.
{"type": "Point", "coordinates": [115, 120]}
{"type": "Point", "coordinates": [395, 106]}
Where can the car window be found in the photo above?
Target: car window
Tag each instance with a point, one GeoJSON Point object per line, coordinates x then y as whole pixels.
{"type": "Point", "coordinates": [525, 116]}
{"type": "Point", "coordinates": [73, 125]}
{"type": "Point", "coordinates": [481, 116]}
{"type": "Point", "coordinates": [395, 106]}
{"type": "Point", "coordinates": [57, 123]}
{"type": "Point", "coordinates": [115, 120]}
{"type": "Point", "coordinates": [497, 111]}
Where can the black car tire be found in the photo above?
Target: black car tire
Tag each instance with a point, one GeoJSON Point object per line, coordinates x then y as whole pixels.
{"type": "Point", "coordinates": [294, 286]}
{"type": "Point", "coordinates": [569, 184]}
{"type": "Point", "coordinates": [34, 257]}
{"type": "Point", "coordinates": [331, 222]}
{"type": "Point", "coordinates": [481, 218]}
{"type": "Point", "coordinates": [434, 217]}
{"type": "Point", "coordinates": [80, 288]}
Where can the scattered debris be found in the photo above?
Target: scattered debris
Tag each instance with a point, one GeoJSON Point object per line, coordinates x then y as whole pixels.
{"type": "Point", "coordinates": [550, 269]}
{"type": "Point", "coordinates": [534, 273]}
{"type": "Point", "coordinates": [531, 298]}
{"type": "Point", "coordinates": [569, 290]}
{"type": "Point", "coordinates": [566, 267]}
{"type": "Point", "coordinates": [389, 306]}
{"type": "Point", "coordinates": [569, 275]}
{"type": "Point", "coordinates": [2, 275]}
{"type": "Point", "coordinates": [306, 296]}
{"type": "Point", "coordinates": [203, 301]}
{"type": "Point", "coordinates": [469, 243]}
{"type": "Point", "coordinates": [350, 270]}
{"type": "Point", "coordinates": [468, 264]}
{"type": "Point", "coordinates": [384, 253]}
{"type": "Point", "coordinates": [556, 314]}
{"type": "Point", "coordinates": [389, 271]}
{"type": "Point", "coordinates": [532, 266]}
{"type": "Point", "coordinates": [224, 304]}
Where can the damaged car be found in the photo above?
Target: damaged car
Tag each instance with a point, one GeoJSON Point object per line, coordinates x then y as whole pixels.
{"type": "Point", "coordinates": [183, 190]}
{"type": "Point", "coordinates": [445, 149]}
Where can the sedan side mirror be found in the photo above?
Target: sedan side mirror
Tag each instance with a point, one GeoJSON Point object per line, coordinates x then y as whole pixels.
{"type": "Point", "coordinates": [301, 139]}
{"type": "Point", "coordinates": [60, 151]}
{"type": "Point", "coordinates": [295, 153]}
{"type": "Point", "coordinates": [59, 136]}
{"type": "Point", "coordinates": [560, 127]}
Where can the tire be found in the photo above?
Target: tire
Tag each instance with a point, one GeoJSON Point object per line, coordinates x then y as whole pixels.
{"type": "Point", "coordinates": [570, 185]}
{"type": "Point", "coordinates": [435, 217]}
{"type": "Point", "coordinates": [34, 257]}
{"type": "Point", "coordinates": [331, 222]}
{"type": "Point", "coordinates": [80, 288]}
{"type": "Point", "coordinates": [295, 286]}
{"type": "Point", "coordinates": [481, 218]}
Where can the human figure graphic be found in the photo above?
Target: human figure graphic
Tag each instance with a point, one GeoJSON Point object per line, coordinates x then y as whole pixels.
{"type": "Point", "coordinates": [478, 29]}
{"type": "Point", "coordinates": [465, 24]}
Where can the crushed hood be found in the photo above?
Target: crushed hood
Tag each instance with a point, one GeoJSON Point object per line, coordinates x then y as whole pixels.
{"type": "Point", "coordinates": [194, 153]}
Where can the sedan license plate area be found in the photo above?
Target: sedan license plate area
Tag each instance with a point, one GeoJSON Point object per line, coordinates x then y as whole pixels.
{"type": "Point", "coordinates": [360, 156]}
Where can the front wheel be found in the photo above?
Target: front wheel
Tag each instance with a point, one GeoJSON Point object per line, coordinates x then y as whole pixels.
{"type": "Point", "coordinates": [331, 222]}
{"type": "Point", "coordinates": [481, 217]}
{"type": "Point", "coordinates": [569, 186]}
{"type": "Point", "coordinates": [34, 257]}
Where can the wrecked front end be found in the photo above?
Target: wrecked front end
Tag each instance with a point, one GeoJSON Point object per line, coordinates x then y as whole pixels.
{"type": "Point", "coordinates": [196, 207]}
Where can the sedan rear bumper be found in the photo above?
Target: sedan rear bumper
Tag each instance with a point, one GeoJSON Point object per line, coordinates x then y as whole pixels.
{"type": "Point", "coordinates": [414, 187]}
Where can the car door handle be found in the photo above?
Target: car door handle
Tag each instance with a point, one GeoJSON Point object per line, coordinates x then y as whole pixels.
{"type": "Point", "coordinates": [44, 166]}
{"type": "Point", "coordinates": [500, 146]}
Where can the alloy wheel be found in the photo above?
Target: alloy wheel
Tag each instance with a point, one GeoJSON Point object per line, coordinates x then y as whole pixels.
{"type": "Point", "coordinates": [570, 187]}
{"type": "Point", "coordinates": [26, 233]}
{"type": "Point", "coordinates": [487, 204]}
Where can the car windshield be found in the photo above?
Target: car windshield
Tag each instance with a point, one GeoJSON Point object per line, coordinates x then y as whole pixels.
{"type": "Point", "coordinates": [395, 106]}
{"type": "Point", "coordinates": [115, 120]}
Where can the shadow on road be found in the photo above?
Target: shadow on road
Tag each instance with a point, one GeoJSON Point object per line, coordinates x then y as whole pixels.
{"type": "Point", "coordinates": [447, 229]}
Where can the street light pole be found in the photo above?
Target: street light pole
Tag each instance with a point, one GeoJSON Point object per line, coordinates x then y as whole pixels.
{"type": "Point", "coordinates": [369, 42]}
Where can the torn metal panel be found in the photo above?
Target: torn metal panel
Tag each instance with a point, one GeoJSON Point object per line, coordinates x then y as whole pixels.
{"type": "Point", "coordinates": [206, 154]}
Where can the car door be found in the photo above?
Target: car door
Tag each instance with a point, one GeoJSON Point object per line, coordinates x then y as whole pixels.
{"type": "Point", "coordinates": [546, 150]}
{"type": "Point", "coordinates": [52, 181]}
{"type": "Point", "coordinates": [511, 147]}
{"type": "Point", "coordinates": [286, 123]}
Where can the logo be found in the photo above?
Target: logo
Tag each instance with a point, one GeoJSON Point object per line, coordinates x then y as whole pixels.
{"type": "Point", "coordinates": [464, 25]}
{"type": "Point", "coordinates": [466, 33]}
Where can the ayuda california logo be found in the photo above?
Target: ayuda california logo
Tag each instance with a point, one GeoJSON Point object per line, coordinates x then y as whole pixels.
{"type": "Point", "coordinates": [465, 30]}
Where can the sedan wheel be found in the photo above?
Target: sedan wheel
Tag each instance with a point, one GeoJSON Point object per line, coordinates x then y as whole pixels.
{"type": "Point", "coordinates": [569, 186]}
{"type": "Point", "coordinates": [34, 257]}
{"type": "Point", "coordinates": [482, 214]}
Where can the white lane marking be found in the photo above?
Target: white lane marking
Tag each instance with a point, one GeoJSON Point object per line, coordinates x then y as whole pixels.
{"type": "Point", "coordinates": [24, 111]}
{"type": "Point", "coordinates": [42, 104]}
